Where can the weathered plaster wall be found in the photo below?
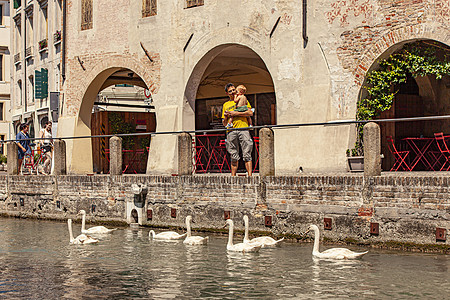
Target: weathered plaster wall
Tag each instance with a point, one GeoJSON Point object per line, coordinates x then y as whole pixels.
{"type": "Point", "coordinates": [318, 83]}
{"type": "Point", "coordinates": [408, 209]}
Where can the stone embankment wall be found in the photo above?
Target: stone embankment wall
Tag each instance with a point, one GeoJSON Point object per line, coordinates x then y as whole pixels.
{"type": "Point", "coordinates": [407, 209]}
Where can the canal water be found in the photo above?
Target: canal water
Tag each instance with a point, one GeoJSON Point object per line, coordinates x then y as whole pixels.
{"type": "Point", "coordinates": [37, 262]}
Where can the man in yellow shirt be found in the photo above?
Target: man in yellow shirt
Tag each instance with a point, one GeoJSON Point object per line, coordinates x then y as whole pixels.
{"type": "Point", "coordinates": [237, 138]}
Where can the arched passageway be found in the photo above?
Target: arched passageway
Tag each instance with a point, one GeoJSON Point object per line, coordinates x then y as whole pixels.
{"type": "Point", "coordinates": [417, 96]}
{"type": "Point", "coordinates": [116, 102]}
{"type": "Point", "coordinates": [237, 64]}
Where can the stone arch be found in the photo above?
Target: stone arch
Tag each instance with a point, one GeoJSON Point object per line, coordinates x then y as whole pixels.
{"type": "Point", "coordinates": [197, 56]}
{"type": "Point", "coordinates": [386, 44]}
{"type": "Point", "coordinates": [77, 90]}
{"type": "Point", "coordinates": [82, 94]}
{"type": "Point", "coordinates": [208, 47]}
{"type": "Point", "coordinates": [417, 97]}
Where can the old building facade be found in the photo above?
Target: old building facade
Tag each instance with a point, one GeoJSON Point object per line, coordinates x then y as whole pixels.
{"type": "Point", "coordinates": [36, 51]}
{"type": "Point", "coordinates": [5, 80]}
{"type": "Point", "coordinates": [302, 62]}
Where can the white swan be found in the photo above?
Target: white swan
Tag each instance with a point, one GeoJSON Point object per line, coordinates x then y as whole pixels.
{"type": "Point", "coordinates": [241, 247]}
{"type": "Point", "coordinates": [263, 241]}
{"type": "Point", "coordinates": [167, 235]}
{"type": "Point", "coordinates": [92, 230]}
{"type": "Point", "coordinates": [81, 239]}
{"type": "Point", "coordinates": [193, 240]}
{"type": "Point", "coordinates": [334, 253]}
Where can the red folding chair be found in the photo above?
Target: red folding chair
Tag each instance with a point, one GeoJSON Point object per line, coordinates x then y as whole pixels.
{"type": "Point", "coordinates": [256, 140]}
{"type": "Point", "coordinates": [442, 145]}
{"type": "Point", "coordinates": [222, 149]}
{"type": "Point", "coordinates": [400, 156]}
{"type": "Point", "coordinates": [198, 149]}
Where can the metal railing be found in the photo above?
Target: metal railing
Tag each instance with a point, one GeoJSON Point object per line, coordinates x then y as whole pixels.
{"type": "Point", "coordinates": [16, 58]}
{"type": "Point", "coordinates": [279, 126]}
{"type": "Point", "coordinates": [29, 52]}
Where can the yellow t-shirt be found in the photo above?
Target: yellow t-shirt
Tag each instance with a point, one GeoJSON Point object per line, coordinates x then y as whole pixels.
{"type": "Point", "coordinates": [238, 122]}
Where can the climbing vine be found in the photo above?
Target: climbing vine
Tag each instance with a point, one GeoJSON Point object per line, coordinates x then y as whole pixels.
{"type": "Point", "coordinates": [417, 59]}
{"type": "Point", "coordinates": [118, 126]}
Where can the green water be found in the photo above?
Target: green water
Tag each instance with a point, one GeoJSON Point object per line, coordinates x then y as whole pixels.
{"type": "Point", "coordinates": [37, 262]}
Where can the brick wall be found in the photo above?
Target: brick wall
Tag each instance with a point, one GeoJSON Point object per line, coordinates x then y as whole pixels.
{"type": "Point", "coordinates": [407, 208]}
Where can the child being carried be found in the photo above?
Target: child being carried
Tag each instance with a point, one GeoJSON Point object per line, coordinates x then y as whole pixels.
{"type": "Point", "coordinates": [241, 105]}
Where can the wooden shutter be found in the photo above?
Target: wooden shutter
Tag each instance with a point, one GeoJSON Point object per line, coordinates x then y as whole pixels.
{"type": "Point", "coordinates": [148, 8]}
{"type": "Point", "coordinates": [193, 3]}
{"type": "Point", "coordinates": [86, 14]}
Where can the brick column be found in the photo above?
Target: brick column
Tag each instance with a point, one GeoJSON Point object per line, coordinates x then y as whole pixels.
{"type": "Point", "coordinates": [115, 153]}
{"type": "Point", "coordinates": [12, 163]}
{"type": "Point", "coordinates": [266, 153]}
{"type": "Point", "coordinates": [372, 150]}
{"type": "Point", "coordinates": [184, 154]}
{"type": "Point", "coordinates": [59, 156]}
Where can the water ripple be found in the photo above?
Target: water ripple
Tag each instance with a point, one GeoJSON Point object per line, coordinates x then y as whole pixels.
{"type": "Point", "coordinates": [36, 261]}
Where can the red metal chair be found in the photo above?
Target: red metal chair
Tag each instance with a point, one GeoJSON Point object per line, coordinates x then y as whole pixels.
{"type": "Point", "coordinates": [198, 149]}
{"type": "Point", "coordinates": [400, 156]}
{"type": "Point", "coordinates": [256, 140]}
{"type": "Point", "coordinates": [442, 145]}
{"type": "Point", "coordinates": [223, 155]}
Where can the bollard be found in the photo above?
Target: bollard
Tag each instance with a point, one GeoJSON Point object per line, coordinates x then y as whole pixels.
{"type": "Point", "coordinates": [12, 164]}
{"type": "Point", "coordinates": [266, 153]}
{"type": "Point", "coordinates": [372, 150]}
{"type": "Point", "coordinates": [184, 154]}
{"type": "Point", "coordinates": [115, 152]}
{"type": "Point", "coordinates": [59, 156]}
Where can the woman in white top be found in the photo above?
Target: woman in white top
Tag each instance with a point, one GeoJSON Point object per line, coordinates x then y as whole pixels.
{"type": "Point", "coordinates": [47, 147]}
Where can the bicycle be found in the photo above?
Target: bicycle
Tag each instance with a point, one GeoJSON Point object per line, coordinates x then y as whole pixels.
{"type": "Point", "coordinates": [32, 161]}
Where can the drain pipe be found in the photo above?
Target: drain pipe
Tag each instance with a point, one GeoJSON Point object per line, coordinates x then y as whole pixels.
{"type": "Point", "coordinates": [24, 84]}
{"type": "Point", "coordinates": [63, 50]}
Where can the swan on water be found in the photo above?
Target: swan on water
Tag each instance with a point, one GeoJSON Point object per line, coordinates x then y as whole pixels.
{"type": "Point", "coordinates": [166, 235]}
{"type": "Point", "coordinates": [81, 239]}
{"type": "Point", "coordinates": [334, 253]}
{"type": "Point", "coordinates": [241, 247]}
{"type": "Point", "coordinates": [263, 241]}
{"type": "Point", "coordinates": [193, 240]}
{"type": "Point", "coordinates": [92, 230]}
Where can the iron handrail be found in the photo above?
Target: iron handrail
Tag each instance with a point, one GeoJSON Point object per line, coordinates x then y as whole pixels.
{"type": "Point", "coordinates": [279, 126]}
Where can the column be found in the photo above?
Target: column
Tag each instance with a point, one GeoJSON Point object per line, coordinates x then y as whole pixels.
{"type": "Point", "coordinates": [372, 149]}
{"type": "Point", "coordinates": [115, 154]}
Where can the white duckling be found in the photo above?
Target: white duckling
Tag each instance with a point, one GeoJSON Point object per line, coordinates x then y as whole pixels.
{"type": "Point", "coordinates": [334, 253]}
{"type": "Point", "coordinates": [263, 241]}
{"type": "Point", "coordinates": [166, 235]}
{"type": "Point", "coordinates": [81, 239]}
{"type": "Point", "coordinates": [193, 240]}
{"type": "Point", "coordinates": [241, 247]}
{"type": "Point", "coordinates": [92, 230]}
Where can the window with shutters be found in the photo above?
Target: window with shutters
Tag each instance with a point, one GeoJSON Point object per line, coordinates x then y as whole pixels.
{"type": "Point", "coordinates": [194, 3]}
{"type": "Point", "coordinates": [148, 8]}
{"type": "Point", "coordinates": [86, 14]}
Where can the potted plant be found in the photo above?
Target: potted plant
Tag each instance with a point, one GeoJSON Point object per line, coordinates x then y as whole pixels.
{"type": "Point", "coordinates": [43, 45]}
{"type": "Point", "coordinates": [3, 161]}
{"type": "Point", "coordinates": [355, 160]}
{"type": "Point", "coordinates": [57, 37]}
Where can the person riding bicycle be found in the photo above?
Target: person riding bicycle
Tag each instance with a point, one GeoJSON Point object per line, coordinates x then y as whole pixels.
{"type": "Point", "coordinates": [23, 143]}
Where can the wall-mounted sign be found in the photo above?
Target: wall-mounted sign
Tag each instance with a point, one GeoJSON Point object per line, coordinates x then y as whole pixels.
{"type": "Point", "coordinates": [141, 127]}
{"type": "Point", "coordinates": [41, 84]}
{"type": "Point", "coordinates": [147, 94]}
